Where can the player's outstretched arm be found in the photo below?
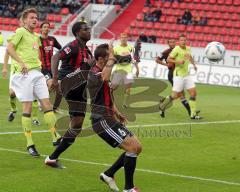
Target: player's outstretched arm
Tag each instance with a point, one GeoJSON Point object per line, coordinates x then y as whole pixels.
{"type": "Point", "coordinates": [119, 115]}
{"type": "Point", "coordinates": [5, 63]}
{"type": "Point", "coordinates": [170, 59]}
{"type": "Point", "coordinates": [54, 67]}
{"type": "Point", "coordinates": [107, 70]}
{"type": "Point", "coordinates": [159, 61]}
{"type": "Point", "coordinates": [193, 63]}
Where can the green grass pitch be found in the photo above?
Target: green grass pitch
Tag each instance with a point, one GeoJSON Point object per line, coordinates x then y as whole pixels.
{"type": "Point", "coordinates": [196, 158]}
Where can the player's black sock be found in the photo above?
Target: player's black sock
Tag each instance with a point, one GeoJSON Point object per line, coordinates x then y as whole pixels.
{"type": "Point", "coordinates": [186, 105]}
{"type": "Point", "coordinates": [116, 166]}
{"type": "Point", "coordinates": [57, 101]}
{"type": "Point", "coordinates": [129, 168]}
{"type": "Point", "coordinates": [64, 144]}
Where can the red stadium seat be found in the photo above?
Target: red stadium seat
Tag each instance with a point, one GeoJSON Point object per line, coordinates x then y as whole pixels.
{"type": "Point", "coordinates": [198, 29]}
{"type": "Point", "coordinates": [140, 16]}
{"type": "Point", "coordinates": [52, 25]}
{"type": "Point", "coordinates": [64, 11]}
{"type": "Point", "coordinates": [204, 1]}
{"type": "Point", "coordinates": [236, 2]}
{"type": "Point", "coordinates": [14, 22]}
{"type": "Point", "coordinates": [227, 39]}
{"type": "Point", "coordinates": [223, 31]}
{"type": "Point", "coordinates": [207, 29]}
{"type": "Point", "coordinates": [228, 2]}
{"type": "Point", "coordinates": [215, 30]}
{"type": "Point", "coordinates": [226, 16]}
{"type": "Point", "coordinates": [220, 1]}
{"type": "Point", "coordinates": [175, 5]}
{"type": "Point", "coordinates": [237, 25]}
{"type": "Point", "coordinates": [220, 23]}
{"type": "Point", "coordinates": [191, 36]}
{"type": "Point", "coordinates": [217, 15]}
{"type": "Point", "coordinates": [231, 32]}
{"type": "Point", "coordinates": [135, 32]}
{"type": "Point", "coordinates": [190, 28]}
{"type": "Point", "coordinates": [167, 4]}
{"type": "Point", "coordinates": [229, 24]}
{"type": "Point", "coordinates": [212, 22]}
{"type": "Point", "coordinates": [212, 1]}
{"type": "Point", "coordinates": [171, 19]}
{"type": "Point", "coordinates": [127, 31]}
{"type": "Point", "coordinates": [159, 34]}
{"type": "Point", "coordinates": [157, 25]}
{"type": "Point", "coordinates": [182, 5]}
{"type": "Point", "coordinates": [140, 24]}
{"type": "Point", "coordinates": [163, 19]}
{"type": "Point", "coordinates": [235, 17]}
{"type": "Point", "coordinates": [149, 25]}
{"type": "Point", "coordinates": [145, 9]}
{"type": "Point", "coordinates": [118, 8]}
{"type": "Point", "coordinates": [197, 1]}
{"type": "Point", "coordinates": [235, 40]}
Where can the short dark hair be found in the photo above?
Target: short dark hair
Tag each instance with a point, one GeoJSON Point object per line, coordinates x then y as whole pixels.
{"type": "Point", "coordinates": [27, 11]}
{"type": "Point", "coordinates": [182, 35]}
{"type": "Point", "coordinates": [77, 27]}
{"type": "Point", "coordinates": [101, 51]}
{"type": "Point", "coordinates": [43, 23]}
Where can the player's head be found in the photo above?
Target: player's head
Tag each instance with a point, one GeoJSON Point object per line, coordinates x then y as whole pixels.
{"type": "Point", "coordinates": [101, 54]}
{"type": "Point", "coordinates": [29, 18]}
{"type": "Point", "coordinates": [171, 43]}
{"type": "Point", "coordinates": [81, 31]}
{"type": "Point", "coordinates": [21, 24]}
{"type": "Point", "coordinates": [44, 27]}
{"type": "Point", "coordinates": [123, 38]}
{"type": "Point", "coordinates": [182, 40]}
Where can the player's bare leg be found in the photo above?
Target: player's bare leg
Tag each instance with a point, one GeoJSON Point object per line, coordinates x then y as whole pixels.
{"type": "Point", "coordinates": [192, 102]}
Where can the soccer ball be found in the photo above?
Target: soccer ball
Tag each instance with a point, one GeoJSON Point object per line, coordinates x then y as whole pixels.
{"type": "Point", "coordinates": [215, 51]}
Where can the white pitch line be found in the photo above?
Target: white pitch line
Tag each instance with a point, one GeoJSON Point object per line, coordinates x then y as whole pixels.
{"type": "Point", "coordinates": [141, 170]}
{"type": "Point", "coordinates": [141, 126]}
{"type": "Point", "coordinates": [189, 123]}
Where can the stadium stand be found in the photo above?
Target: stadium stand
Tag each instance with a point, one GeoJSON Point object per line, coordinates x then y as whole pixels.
{"type": "Point", "coordinates": [58, 12]}
{"type": "Point", "coordinates": [220, 18]}
{"type": "Point", "coordinates": [222, 22]}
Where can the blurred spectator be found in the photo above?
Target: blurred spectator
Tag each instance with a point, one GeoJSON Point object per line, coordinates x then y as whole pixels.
{"type": "Point", "coordinates": [143, 37]}
{"type": "Point", "coordinates": [1, 39]}
{"type": "Point", "coordinates": [196, 19]}
{"type": "Point", "coordinates": [152, 38]}
{"type": "Point", "coordinates": [203, 20]}
{"type": "Point", "coordinates": [148, 16]}
{"type": "Point", "coordinates": [107, 1]}
{"type": "Point", "coordinates": [149, 3]}
{"type": "Point", "coordinates": [82, 19]}
{"type": "Point", "coordinates": [11, 10]}
{"type": "Point", "coordinates": [156, 14]}
{"type": "Point", "coordinates": [186, 18]}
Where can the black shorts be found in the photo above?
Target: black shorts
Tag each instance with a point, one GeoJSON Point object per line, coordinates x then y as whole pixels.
{"type": "Point", "coordinates": [170, 76]}
{"type": "Point", "coordinates": [111, 131]}
{"type": "Point", "coordinates": [47, 74]}
{"type": "Point", "coordinates": [77, 101]}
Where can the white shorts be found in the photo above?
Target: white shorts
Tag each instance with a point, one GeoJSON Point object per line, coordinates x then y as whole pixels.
{"type": "Point", "coordinates": [118, 77]}
{"type": "Point", "coordinates": [30, 86]}
{"type": "Point", "coordinates": [182, 83]}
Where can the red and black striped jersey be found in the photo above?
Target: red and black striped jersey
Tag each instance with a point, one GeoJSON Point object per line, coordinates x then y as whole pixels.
{"type": "Point", "coordinates": [100, 94]}
{"type": "Point", "coordinates": [46, 51]}
{"type": "Point", "coordinates": [74, 56]}
{"type": "Point", "coordinates": [165, 55]}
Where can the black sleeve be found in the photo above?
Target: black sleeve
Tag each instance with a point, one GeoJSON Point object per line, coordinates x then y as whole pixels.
{"type": "Point", "coordinates": [164, 55]}
{"type": "Point", "coordinates": [57, 44]}
{"type": "Point", "coordinates": [68, 51]}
